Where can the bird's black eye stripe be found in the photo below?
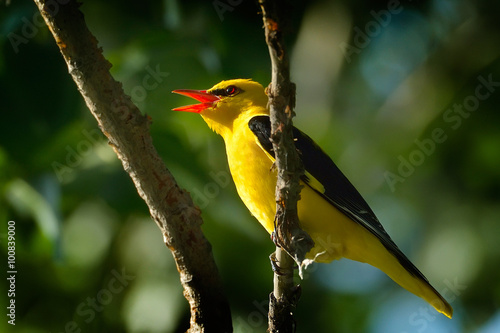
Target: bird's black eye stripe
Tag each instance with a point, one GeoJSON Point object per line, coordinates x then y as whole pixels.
{"type": "Point", "coordinates": [228, 91]}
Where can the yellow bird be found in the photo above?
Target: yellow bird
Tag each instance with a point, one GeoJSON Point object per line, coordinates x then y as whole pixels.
{"type": "Point", "coordinates": [330, 210]}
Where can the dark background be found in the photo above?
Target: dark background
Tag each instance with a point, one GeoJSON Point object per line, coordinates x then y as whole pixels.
{"type": "Point", "coordinates": [380, 86]}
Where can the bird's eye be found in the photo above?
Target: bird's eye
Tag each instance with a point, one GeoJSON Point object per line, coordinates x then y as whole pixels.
{"type": "Point", "coordinates": [231, 90]}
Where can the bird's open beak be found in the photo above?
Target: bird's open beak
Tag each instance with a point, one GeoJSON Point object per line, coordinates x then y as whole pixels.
{"type": "Point", "coordinates": [207, 100]}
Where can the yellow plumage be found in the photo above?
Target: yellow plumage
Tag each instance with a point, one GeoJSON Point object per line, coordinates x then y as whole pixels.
{"type": "Point", "coordinates": [230, 108]}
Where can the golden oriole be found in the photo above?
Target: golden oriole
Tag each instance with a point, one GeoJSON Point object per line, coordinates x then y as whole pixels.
{"type": "Point", "coordinates": [330, 209]}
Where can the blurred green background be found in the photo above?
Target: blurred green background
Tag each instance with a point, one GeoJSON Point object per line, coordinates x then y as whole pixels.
{"type": "Point", "coordinates": [403, 95]}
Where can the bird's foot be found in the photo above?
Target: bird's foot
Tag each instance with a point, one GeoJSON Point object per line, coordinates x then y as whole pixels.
{"type": "Point", "coordinates": [275, 238]}
{"type": "Point", "coordinates": [275, 265]}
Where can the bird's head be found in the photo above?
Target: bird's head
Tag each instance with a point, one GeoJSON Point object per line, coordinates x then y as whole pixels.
{"type": "Point", "coordinates": [227, 102]}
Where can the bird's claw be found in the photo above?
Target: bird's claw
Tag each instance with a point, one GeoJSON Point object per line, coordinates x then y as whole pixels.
{"type": "Point", "coordinates": [275, 238]}
{"type": "Point", "coordinates": [274, 264]}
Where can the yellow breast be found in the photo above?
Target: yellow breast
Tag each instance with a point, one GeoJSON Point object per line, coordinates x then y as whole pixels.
{"type": "Point", "coordinates": [252, 173]}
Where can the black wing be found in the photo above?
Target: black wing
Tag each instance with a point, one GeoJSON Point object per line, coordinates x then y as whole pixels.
{"type": "Point", "coordinates": [336, 188]}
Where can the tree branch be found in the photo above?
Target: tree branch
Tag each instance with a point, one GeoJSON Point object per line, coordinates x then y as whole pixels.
{"type": "Point", "coordinates": [288, 235]}
{"type": "Point", "coordinates": [128, 132]}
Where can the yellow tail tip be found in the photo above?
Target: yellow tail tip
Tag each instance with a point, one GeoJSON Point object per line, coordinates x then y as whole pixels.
{"type": "Point", "coordinates": [448, 313]}
{"type": "Point", "coordinates": [443, 307]}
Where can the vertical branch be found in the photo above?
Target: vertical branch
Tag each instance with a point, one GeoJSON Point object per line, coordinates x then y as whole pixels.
{"type": "Point", "coordinates": [128, 132]}
{"type": "Point", "coordinates": [291, 241]}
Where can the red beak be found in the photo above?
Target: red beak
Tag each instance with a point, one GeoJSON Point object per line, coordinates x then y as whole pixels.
{"type": "Point", "coordinates": [207, 100]}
